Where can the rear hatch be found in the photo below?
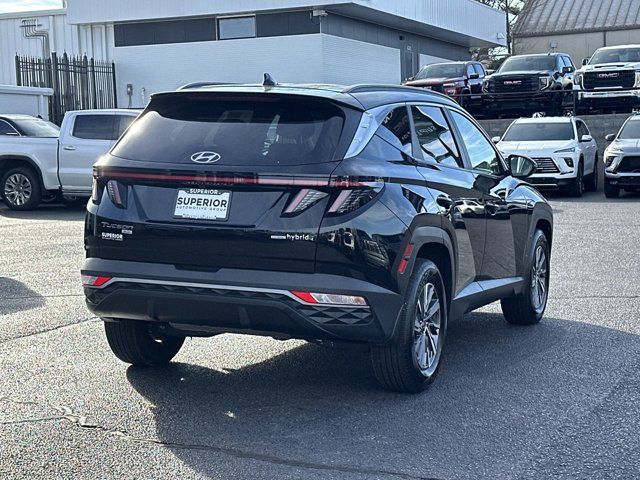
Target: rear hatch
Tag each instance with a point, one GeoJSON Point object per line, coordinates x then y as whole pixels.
{"type": "Point", "coordinates": [214, 180]}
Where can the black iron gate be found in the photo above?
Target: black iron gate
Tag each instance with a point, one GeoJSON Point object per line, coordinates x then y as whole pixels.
{"type": "Point", "coordinates": [78, 83]}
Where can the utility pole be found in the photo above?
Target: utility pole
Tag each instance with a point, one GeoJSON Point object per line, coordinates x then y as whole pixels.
{"type": "Point", "coordinates": [506, 9]}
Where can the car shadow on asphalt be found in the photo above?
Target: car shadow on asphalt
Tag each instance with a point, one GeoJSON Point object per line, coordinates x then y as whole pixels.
{"type": "Point", "coordinates": [501, 388]}
{"type": "Point", "coordinates": [16, 297]}
{"type": "Point", "coordinates": [56, 212]}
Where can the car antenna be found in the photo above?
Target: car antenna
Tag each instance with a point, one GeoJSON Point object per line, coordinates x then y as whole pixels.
{"type": "Point", "coordinates": [269, 81]}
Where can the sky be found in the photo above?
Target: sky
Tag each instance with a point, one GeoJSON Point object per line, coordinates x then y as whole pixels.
{"type": "Point", "coordinates": [24, 5]}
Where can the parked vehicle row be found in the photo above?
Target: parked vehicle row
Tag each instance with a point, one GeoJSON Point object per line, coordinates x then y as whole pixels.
{"type": "Point", "coordinates": [550, 83]}
{"type": "Point", "coordinates": [369, 214]}
{"type": "Point", "coordinates": [39, 161]}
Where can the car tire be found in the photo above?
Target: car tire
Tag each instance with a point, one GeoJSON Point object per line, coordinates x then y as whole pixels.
{"type": "Point", "coordinates": [410, 362]}
{"type": "Point", "coordinates": [528, 307]}
{"type": "Point", "coordinates": [591, 181]}
{"type": "Point", "coordinates": [138, 343]}
{"type": "Point", "coordinates": [577, 186]}
{"type": "Point", "coordinates": [611, 191]}
{"type": "Point", "coordinates": [21, 188]}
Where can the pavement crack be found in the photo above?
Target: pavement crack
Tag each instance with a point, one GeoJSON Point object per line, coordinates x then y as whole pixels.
{"type": "Point", "coordinates": [48, 330]}
{"type": "Point", "coordinates": [82, 422]}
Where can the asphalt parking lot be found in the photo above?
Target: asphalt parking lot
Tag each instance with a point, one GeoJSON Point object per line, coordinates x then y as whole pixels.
{"type": "Point", "coordinates": [557, 400]}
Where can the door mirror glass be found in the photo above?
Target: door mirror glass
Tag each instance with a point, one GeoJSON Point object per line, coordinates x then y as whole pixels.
{"type": "Point", "coordinates": [495, 140]}
{"type": "Point", "coordinates": [474, 76]}
{"type": "Point", "coordinates": [521, 166]}
{"type": "Point", "coordinates": [611, 137]}
{"type": "Point", "coordinates": [585, 61]}
{"type": "Point", "coordinates": [586, 138]}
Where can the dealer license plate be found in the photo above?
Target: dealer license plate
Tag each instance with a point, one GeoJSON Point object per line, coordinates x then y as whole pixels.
{"type": "Point", "coordinates": [202, 204]}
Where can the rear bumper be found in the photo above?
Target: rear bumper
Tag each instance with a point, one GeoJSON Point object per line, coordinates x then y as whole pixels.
{"type": "Point", "coordinates": [240, 301]}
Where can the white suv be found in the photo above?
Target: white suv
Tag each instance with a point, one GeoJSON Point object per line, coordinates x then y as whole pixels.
{"type": "Point", "coordinates": [622, 159]}
{"type": "Point", "coordinates": [563, 148]}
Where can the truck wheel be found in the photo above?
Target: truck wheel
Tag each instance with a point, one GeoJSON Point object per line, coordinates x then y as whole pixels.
{"type": "Point", "coordinates": [528, 307]}
{"type": "Point", "coordinates": [410, 362]}
{"type": "Point", "coordinates": [139, 343]}
{"type": "Point", "coordinates": [21, 189]}
{"type": "Point", "coordinates": [591, 181]}
{"type": "Point", "coordinates": [611, 191]}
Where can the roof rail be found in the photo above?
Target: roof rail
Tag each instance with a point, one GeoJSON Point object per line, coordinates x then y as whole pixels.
{"type": "Point", "coordinates": [203, 84]}
{"type": "Point", "coordinates": [373, 87]}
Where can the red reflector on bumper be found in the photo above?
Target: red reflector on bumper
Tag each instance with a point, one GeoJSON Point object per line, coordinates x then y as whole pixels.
{"type": "Point", "coordinates": [94, 281]}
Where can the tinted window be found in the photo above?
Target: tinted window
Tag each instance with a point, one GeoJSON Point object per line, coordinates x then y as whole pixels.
{"type": "Point", "coordinates": [582, 129]}
{"type": "Point", "coordinates": [479, 70]}
{"type": "Point", "coordinates": [616, 55]}
{"type": "Point", "coordinates": [36, 127]}
{"type": "Point", "coordinates": [441, 70]}
{"type": "Point", "coordinates": [244, 131]}
{"type": "Point", "coordinates": [434, 135]}
{"type": "Point", "coordinates": [5, 128]}
{"type": "Point", "coordinates": [568, 62]}
{"type": "Point", "coordinates": [396, 129]}
{"type": "Point", "coordinates": [480, 150]}
{"type": "Point", "coordinates": [630, 131]}
{"type": "Point", "coordinates": [238, 27]}
{"type": "Point", "coordinates": [539, 132]}
{"type": "Point", "coordinates": [95, 127]}
{"type": "Point", "coordinates": [173, 31]}
{"type": "Point", "coordinates": [534, 63]}
{"type": "Point", "coordinates": [123, 123]}
{"type": "Point", "coordinates": [470, 70]}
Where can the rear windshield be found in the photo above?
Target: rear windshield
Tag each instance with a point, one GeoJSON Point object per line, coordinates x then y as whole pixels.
{"type": "Point", "coordinates": [441, 70]}
{"type": "Point", "coordinates": [36, 127]}
{"type": "Point", "coordinates": [534, 132]}
{"type": "Point", "coordinates": [245, 130]}
{"type": "Point", "coordinates": [533, 63]}
{"type": "Point", "coordinates": [631, 131]}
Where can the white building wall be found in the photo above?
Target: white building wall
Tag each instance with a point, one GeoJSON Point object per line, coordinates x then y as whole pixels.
{"type": "Point", "coordinates": [92, 40]}
{"type": "Point", "coordinates": [346, 61]}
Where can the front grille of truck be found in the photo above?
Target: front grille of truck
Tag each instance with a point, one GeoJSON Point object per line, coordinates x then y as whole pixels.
{"type": "Point", "coordinates": [629, 165]}
{"type": "Point", "coordinates": [546, 165]}
{"type": "Point", "coordinates": [610, 79]}
{"type": "Point", "coordinates": [516, 84]}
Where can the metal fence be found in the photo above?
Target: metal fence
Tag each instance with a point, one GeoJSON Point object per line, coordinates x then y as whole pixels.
{"type": "Point", "coordinates": [78, 83]}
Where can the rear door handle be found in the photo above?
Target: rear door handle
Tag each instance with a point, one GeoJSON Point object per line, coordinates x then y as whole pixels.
{"type": "Point", "coordinates": [68, 147]}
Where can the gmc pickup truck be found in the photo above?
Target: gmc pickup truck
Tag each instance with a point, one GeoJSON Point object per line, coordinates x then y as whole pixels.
{"type": "Point", "coordinates": [39, 161]}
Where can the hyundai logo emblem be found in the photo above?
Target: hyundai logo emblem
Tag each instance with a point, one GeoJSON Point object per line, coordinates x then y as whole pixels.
{"type": "Point", "coordinates": [205, 157]}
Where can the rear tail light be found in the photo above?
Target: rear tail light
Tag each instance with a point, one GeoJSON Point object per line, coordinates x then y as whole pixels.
{"type": "Point", "coordinates": [350, 200]}
{"type": "Point", "coordinates": [117, 193]}
{"type": "Point", "coordinates": [330, 299]}
{"type": "Point", "coordinates": [96, 191]}
{"type": "Point", "coordinates": [94, 281]}
{"type": "Point", "coordinates": [304, 199]}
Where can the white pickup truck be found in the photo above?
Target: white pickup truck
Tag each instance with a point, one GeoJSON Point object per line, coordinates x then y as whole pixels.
{"type": "Point", "coordinates": [39, 161]}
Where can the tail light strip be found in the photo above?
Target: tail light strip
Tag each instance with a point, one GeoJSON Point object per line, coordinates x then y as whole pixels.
{"type": "Point", "coordinates": [237, 180]}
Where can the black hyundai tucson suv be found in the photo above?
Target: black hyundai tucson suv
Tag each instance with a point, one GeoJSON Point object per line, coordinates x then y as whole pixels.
{"type": "Point", "coordinates": [368, 214]}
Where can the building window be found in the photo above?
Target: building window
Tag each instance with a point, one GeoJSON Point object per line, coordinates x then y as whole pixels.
{"type": "Point", "coordinates": [173, 31]}
{"type": "Point", "coordinates": [236, 27]}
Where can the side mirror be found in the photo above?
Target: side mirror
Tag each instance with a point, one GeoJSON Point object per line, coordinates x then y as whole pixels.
{"type": "Point", "coordinates": [586, 138]}
{"type": "Point", "coordinates": [566, 70]}
{"type": "Point", "coordinates": [495, 140]}
{"type": "Point", "coordinates": [611, 137]}
{"type": "Point", "coordinates": [521, 166]}
{"type": "Point", "coordinates": [474, 76]}
{"type": "Point", "coordinates": [585, 61]}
